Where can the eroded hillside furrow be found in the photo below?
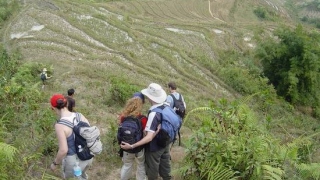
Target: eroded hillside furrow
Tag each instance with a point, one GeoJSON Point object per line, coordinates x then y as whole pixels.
{"type": "Point", "coordinates": [149, 60]}
{"type": "Point", "coordinates": [96, 34]}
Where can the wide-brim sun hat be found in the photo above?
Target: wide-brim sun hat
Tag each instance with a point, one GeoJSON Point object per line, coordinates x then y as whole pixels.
{"type": "Point", "coordinates": [44, 69]}
{"type": "Point", "coordinates": [155, 93]}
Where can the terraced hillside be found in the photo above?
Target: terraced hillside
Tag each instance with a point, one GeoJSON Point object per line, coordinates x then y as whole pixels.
{"type": "Point", "coordinates": [130, 38]}
{"type": "Point", "coordinates": [144, 41]}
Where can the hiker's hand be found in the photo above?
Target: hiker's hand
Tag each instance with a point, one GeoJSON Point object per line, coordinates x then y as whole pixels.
{"type": "Point", "coordinates": [53, 167]}
{"type": "Point", "coordinates": [125, 145]}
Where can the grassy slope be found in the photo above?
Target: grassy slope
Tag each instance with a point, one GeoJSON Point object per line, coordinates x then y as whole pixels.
{"type": "Point", "coordinates": [87, 44]}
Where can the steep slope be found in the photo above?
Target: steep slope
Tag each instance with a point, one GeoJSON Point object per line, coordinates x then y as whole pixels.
{"type": "Point", "coordinates": [143, 41]}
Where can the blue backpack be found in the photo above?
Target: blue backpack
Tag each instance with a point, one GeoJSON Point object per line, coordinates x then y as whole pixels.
{"type": "Point", "coordinates": [170, 125]}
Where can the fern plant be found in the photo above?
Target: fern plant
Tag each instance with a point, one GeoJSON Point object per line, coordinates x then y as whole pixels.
{"type": "Point", "coordinates": [309, 171]}
{"type": "Point", "coordinates": [7, 154]}
{"type": "Point", "coordinates": [229, 145]}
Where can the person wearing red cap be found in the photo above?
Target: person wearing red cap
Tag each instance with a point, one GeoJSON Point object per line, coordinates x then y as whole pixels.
{"type": "Point", "coordinates": [66, 156]}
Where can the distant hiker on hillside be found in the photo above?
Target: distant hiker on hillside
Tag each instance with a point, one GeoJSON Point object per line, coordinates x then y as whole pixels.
{"type": "Point", "coordinates": [66, 156]}
{"type": "Point", "coordinates": [176, 100]}
{"type": "Point", "coordinates": [156, 154]}
{"type": "Point", "coordinates": [71, 101]}
{"type": "Point", "coordinates": [131, 128]}
{"type": "Point", "coordinates": [44, 76]}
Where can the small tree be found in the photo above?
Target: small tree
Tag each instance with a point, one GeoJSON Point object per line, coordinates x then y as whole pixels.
{"type": "Point", "coordinates": [291, 62]}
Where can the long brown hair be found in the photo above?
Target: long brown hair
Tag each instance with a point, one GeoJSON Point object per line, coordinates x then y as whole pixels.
{"type": "Point", "coordinates": [133, 107]}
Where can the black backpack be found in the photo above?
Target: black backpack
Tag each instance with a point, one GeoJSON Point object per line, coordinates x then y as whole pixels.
{"type": "Point", "coordinates": [43, 77]}
{"type": "Point", "coordinates": [130, 131]}
{"type": "Point", "coordinates": [179, 106]}
{"type": "Point", "coordinates": [83, 133]}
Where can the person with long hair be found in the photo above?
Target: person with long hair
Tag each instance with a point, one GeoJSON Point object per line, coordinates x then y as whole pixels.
{"type": "Point", "coordinates": [133, 108]}
{"type": "Point", "coordinates": [157, 158]}
{"type": "Point", "coordinates": [66, 156]}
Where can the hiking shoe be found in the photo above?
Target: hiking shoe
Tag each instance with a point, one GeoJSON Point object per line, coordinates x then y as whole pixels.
{"type": "Point", "coordinates": [85, 176]}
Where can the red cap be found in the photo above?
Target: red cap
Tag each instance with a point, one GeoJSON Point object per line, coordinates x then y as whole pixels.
{"type": "Point", "coordinates": [54, 99]}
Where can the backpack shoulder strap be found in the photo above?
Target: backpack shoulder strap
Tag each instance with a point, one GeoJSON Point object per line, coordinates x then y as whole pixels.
{"type": "Point", "coordinates": [158, 110]}
{"type": "Point", "coordinates": [65, 122]}
{"type": "Point", "coordinates": [173, 97]}
{"type": "Point", "coordinates": [77, 119]}
{"type": "Point", "coordinates": [138, 121]}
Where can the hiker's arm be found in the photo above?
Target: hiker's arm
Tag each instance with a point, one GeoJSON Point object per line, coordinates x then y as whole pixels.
{"type": "Point", "coordinates": [63, 146]}
{"type": "Point", "coordinates": [146, 139]}
{"type": "Point", "coordinates": [184, 103]}
{"type": "Point", "coordinates": [48, 77]}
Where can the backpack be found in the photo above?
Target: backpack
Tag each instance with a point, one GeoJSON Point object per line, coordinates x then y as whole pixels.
{"type": "Point", "coordinates": [43, 76]}
{"type": "Point", "coordinates": [179, 106]}
{"type": "Point", "coordinates": [130, 131]}
{"type": "Point", "coordinates": [86, 138]}
{"type": "Point", "coordinates": [170, 125]}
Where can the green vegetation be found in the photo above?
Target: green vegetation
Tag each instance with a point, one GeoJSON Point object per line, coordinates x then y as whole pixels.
{"type": "Point", "coordinates": [7, 7]}
{"type": "Point", "coordinates": [19, 98]}
{"type": "Point", "coordinates": [260, 12]}
{"type": "Point", "coordinates": [231, 141]}
{"type": "Point", "coordinates": [309, 12]}
{"type": "Point", "coordinates": [121, 91]}
{"type": "Point", "coordinates": [291, 64]}
{"type": "Point", "coordinates": [223, 60]}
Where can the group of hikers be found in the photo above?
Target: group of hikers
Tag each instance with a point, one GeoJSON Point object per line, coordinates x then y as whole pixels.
{"type": "Point", "coordinates": [144, 139]}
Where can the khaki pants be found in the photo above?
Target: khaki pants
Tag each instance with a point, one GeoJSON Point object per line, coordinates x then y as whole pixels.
{"type": "Point", "coordinates": [69, 162]}
{"type": "Point", "coordinates": [128, 160]}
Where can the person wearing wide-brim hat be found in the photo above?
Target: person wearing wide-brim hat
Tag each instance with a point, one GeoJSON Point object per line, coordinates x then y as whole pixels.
{"type": "Point", "coordinates": [157, 157]}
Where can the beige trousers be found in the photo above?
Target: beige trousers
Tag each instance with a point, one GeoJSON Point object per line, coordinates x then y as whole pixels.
{"type": "Point", "coordinates": [128, 160]}
{"type": "Point", "coordinates": [69, 162]}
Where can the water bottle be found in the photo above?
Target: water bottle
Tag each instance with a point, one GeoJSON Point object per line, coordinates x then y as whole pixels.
{"type": "Point", "coordinates": [80, 148]}
{"type": "Point", "coordinates": [77, 170]}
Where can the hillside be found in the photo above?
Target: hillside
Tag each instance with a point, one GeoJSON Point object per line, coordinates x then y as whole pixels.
{"type": "Point", "coordinates": [84, 45]}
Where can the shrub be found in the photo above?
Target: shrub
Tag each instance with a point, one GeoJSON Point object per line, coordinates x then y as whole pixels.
{"type": "Point", "coordinates": [260, 12]}
{"type": "Point", "coordinates": [230, 141]}
{"type": "Point", "coordinates": [290, 63]}
{"type": "Point", "coordinates": [121, 90]}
